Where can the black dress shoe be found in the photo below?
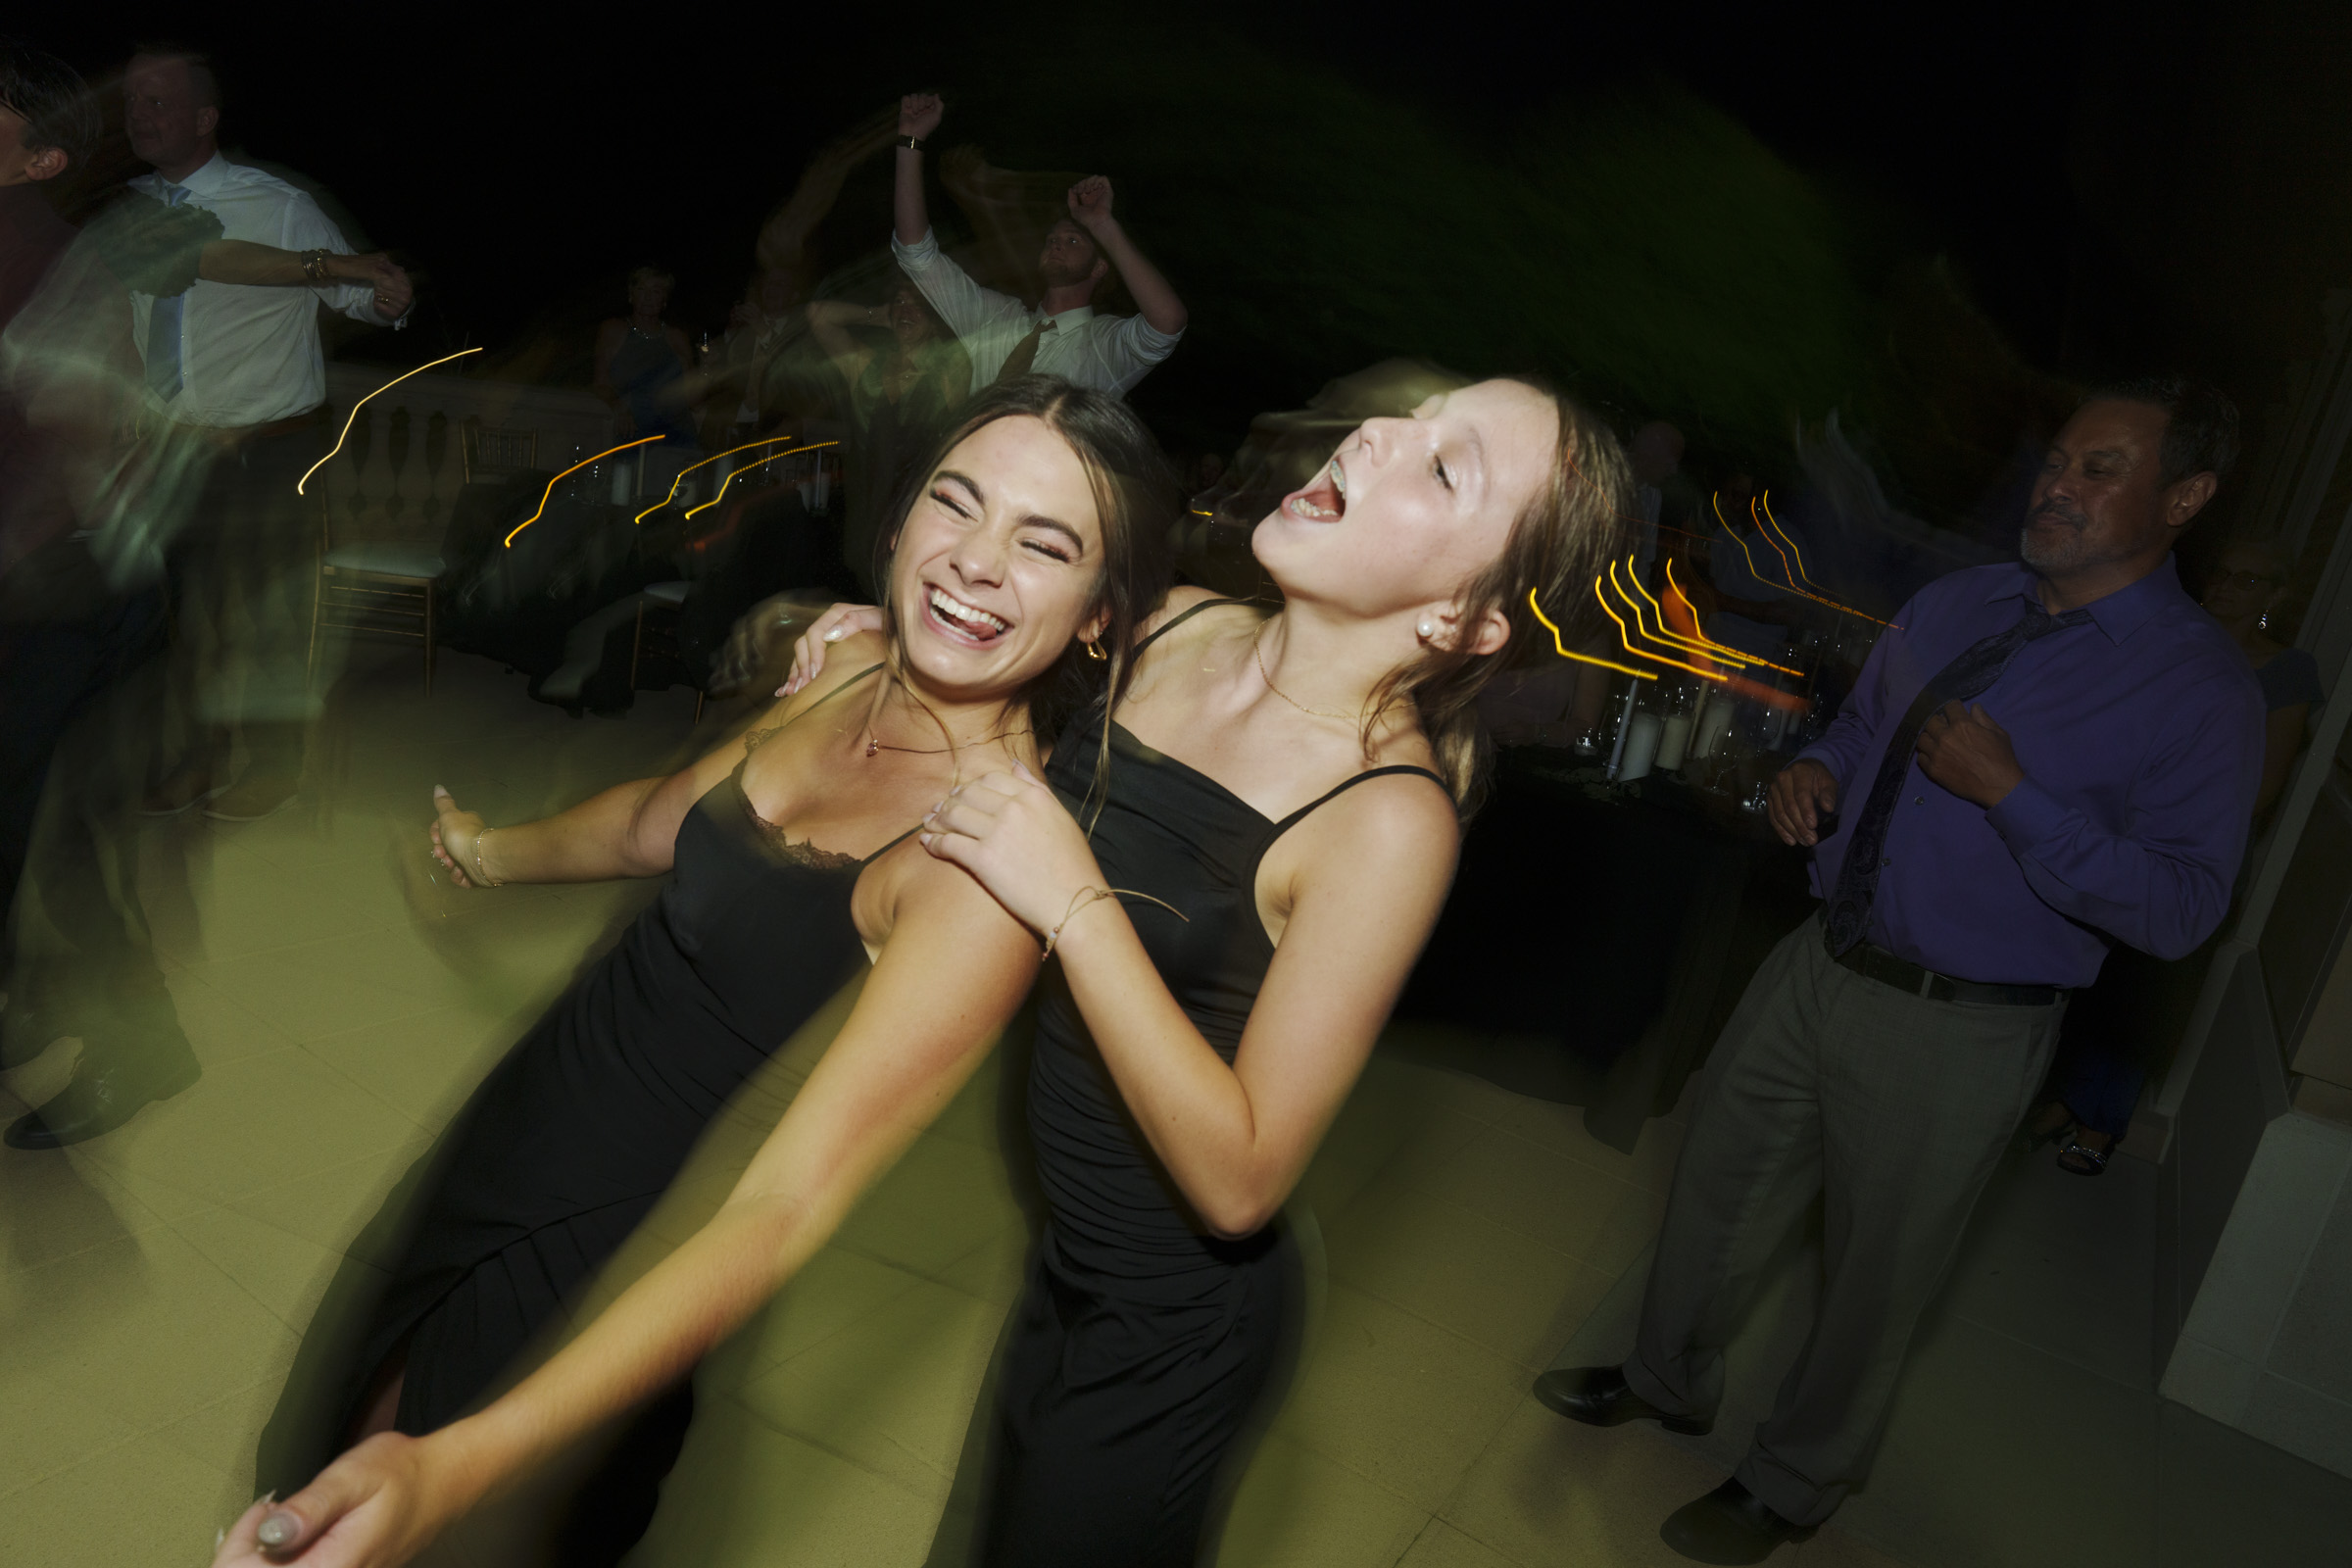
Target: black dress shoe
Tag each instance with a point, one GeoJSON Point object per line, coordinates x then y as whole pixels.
{"type": "Point", "coordinates": [1598, 1397]}
{"type": "Point", "coordinates": [1729, 1525]}
{"type": "Point", "coordinates": [101, 1097]}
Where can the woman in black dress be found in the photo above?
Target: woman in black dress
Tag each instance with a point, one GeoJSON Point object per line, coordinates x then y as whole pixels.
{"type": "Point", "coordinates": [1288, 786]}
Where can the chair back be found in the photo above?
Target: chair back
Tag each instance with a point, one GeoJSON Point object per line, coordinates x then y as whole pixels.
{"type": "Point", "coordinates": [494, 452]}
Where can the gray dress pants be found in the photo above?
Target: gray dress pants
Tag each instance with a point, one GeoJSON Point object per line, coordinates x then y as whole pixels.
{"type": "Point", "coordinates": [1891, 1108]}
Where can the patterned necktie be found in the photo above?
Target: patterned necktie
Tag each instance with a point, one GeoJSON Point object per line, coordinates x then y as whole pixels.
{"type": "Point", "coordinates": [1969, 675]}
{"type": "Point", "coordinates": [1024, 354]}
{"type": "Point", "coordinates": [164, 318]}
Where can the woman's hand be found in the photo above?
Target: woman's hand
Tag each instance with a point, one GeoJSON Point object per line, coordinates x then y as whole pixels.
{"type": "Point", "coordinates": [375, 1507]}
{"type": "Point", "coordinates": [808, 654]}
{"type": "Point", "coordinates": [456, 838]}
{"type": "Point", "coordinates": [1011, 832]}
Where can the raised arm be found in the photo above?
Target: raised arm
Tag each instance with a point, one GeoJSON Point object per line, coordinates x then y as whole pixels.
{"type": "Point", "coordinates": [784, 237]}
{"type": "Point", "coordinates": [1154, 298]}
{"type": "Point", "coordinates": [953, 968]}
{"type": "Point", "coordinates": [830, 322]}
{"type": "Point", "coordinates": [1372, 869]}
{"type": "Point", "coordinates": [918, 117]}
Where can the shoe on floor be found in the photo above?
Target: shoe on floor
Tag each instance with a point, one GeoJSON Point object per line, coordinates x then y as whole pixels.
{"type": "Point", "coordinates": [1599, 1396]}
{"type": "Point", "coordinates": [1729, 1525]}
{"type": "Point", "coordinates": [103, 1094]}
{"type": "Point", "coordinates": [252, 799]}
{"type": "Point", "coordinates": [181, 790]}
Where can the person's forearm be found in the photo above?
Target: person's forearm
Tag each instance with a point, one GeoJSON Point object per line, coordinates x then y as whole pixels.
{"type": "Point", "coordinates": [1154, 299]}
{"type": "Point", "coordinates": [601, 838]}
{"type": "Point", "coordinates": [906, 209]}
{"type": "Point", "coordinates": [1190, 1107]}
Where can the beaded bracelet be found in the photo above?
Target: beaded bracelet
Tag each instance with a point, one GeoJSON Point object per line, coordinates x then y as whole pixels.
{"type": "Point", "coordinates": [1093, 895]}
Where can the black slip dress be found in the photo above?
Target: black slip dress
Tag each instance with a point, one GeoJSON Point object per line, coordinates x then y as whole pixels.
{"type": "Point", "coordinates": [573, 1138]}
{"type": "Point", "coordinates": [1142, 1343]}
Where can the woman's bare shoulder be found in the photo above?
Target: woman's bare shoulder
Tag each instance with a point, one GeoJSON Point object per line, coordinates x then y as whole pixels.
{"type": "Point", "coordinates": [1179, 600]}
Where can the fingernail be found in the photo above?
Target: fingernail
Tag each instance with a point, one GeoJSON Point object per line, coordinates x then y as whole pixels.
{"type": "Point", "coordinates": [278, 1529]}
{"type": "Point", "coordinates": [836, 634]}
{"type": "Point", "coordinates": [924, 839]}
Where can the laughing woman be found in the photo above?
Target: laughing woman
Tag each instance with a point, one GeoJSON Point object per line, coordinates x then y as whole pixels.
{"type": "Point", "coordinates": [1037, 537]}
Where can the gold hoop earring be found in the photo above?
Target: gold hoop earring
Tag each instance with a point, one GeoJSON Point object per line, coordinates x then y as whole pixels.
{"type": "Point", "coordinates": [1094, 650]}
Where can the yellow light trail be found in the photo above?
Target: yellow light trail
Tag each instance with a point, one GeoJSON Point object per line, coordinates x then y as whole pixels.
{"type": "Point", "coordinates": [355, 413]}
{"type": "Point", "coordinates": [1583, 659]}
{"type": "Point", "coordinates": [509, 542]}
{"type": "Point", "coordinates": [748, 468]}
{"type": "Point", "coordinates": [1790, 538]}
{"type": "Point", "coordinates": [1660, 658]}
{"type": "Point", "coordinates": [1702, 645]}
{"type": "Point", "coordinates": [1716, 501]}
{"type": "Point", "coordinates": [691, 467]}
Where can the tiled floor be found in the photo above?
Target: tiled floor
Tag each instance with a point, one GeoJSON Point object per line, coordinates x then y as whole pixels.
{"type": "Point", "coordinates": [154, 1283]}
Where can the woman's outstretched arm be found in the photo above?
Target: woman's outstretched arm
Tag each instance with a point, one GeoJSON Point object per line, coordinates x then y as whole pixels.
{"type": "Point", "coordinates": [1372, 870]}
{"type": "Point", "coordinates": [629, 830]}
{"type": "Point", "coordinates": [953, 970]}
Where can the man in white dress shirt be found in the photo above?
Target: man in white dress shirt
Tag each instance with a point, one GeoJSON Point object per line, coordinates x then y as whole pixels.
{"type": "Point", "coordinates": [240, 368]}
{"type": "Point", "coordinates": [1062, 335]}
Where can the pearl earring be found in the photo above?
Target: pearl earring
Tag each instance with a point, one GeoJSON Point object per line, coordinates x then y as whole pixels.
{"type": "Point", "coordinates": [1428, 630]}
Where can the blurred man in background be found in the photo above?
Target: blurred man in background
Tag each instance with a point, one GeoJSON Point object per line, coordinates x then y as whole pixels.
{"type": "Point", "coordinates": [240, 368]}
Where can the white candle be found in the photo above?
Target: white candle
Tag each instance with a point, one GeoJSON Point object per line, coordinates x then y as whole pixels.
{"type": "Point", "coordinates": [1633, 694]}
{"type": "Point", "coordinates": [1640, 745]}
{"type": "Point", "coordinates": [1674, 741]}
{"type": "Point", "coordinates": [1714, 725]}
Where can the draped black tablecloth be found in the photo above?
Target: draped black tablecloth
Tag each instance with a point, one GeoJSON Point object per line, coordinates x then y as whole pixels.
{"type": "Point", "coordinates": [1596, 939]}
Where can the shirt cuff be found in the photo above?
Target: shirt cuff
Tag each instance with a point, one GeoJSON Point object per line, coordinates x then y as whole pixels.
{"type": "Point", "coordinates": [2027, 816]}
{"type": "Point", "coordinates": [917, 257]}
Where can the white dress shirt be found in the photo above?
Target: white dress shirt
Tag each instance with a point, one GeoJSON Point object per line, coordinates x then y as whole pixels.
{"type": "Point", "coordinates": [1109, 353]}
{"type": "Point", "coordinates": [250, 354]}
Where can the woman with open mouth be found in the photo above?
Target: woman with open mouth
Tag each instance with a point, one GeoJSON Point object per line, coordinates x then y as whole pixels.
{"type": "Point", "coordinates": [1251, 841]}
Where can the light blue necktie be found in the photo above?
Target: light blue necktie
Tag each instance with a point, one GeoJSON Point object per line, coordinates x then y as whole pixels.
{"type": "Point", "coordinates": [162, 326]}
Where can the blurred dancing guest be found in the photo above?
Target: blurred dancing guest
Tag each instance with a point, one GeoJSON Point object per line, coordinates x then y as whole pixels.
{"type": "Point", "coordinates": [2040, 760]}
{"type": "Point", "coordinates": [1062, 335]}
{"type": "Point", "coordinates": [240, 368]}
{"type": "Point", "coordinates": [902, 392]}
{"type": "Point", "coordinates": [642, 360]}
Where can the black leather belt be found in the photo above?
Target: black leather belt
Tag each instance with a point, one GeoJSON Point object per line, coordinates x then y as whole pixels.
{"type": "Point", "coordinates": [1877, 963]}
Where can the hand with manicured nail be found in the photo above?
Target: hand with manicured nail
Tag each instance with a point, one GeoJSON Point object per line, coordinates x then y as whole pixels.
{"type": "Point", "coordinates": [808, 654]}
{"type": "Point", "coordinates": [377, 1507]}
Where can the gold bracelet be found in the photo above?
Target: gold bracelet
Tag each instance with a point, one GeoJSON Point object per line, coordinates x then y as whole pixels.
{"type": "Point", "coordinates": [479, 875]}
{"type": "Point", "coordinates": [1093, 895]}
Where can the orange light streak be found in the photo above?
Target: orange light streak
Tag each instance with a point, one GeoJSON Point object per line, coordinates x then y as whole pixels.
{"type": "Point", "coordinates": [355, 413]}
{"type": "Point", "coordinates": [1583, 659]}
{"type": "Point", "coordinates": [509, 542]}
{"type": "Point", "coordinates": [748, 468]}
{"type": "Point", "coordinates": [1716, 501]}
{"type": "Point", "coordinates": [691, 467]}
{"type": "Point", "coordinates": [1704, 644]}
{"type": "Point", "coordinates": [1790, 537]}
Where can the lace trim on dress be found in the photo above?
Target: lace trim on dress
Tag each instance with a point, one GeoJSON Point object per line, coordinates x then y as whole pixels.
{"type": "Point", "coordinates": [796, 851]}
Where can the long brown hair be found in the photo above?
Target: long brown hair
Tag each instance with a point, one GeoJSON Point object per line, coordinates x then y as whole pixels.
{"type": "Point", "coordinates": [1134, 501]}
{"type": "Point", "coordinates": [1554, 547]}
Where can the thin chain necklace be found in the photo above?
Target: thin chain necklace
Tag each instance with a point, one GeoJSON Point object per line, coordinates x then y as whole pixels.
{"type": "Point", "coordinates": [873, 745]}
{"type": "Point", "coordinates": [1257, 647]}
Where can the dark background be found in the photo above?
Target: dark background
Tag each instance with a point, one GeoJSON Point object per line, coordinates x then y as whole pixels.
{"type": "Point", "coordinates": [1735, 216]}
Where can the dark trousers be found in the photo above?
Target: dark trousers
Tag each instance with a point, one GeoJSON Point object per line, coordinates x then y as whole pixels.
{"type": "Point", "coordinates": [1894, 1110]}
{"type": "Point", "coordinates": [78, 703]}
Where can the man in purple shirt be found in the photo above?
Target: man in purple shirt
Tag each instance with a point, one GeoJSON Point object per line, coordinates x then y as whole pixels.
{"type": "Point", "coordinates": [2039, 761]}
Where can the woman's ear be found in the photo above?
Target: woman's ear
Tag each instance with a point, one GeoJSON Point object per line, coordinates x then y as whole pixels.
{"type": "Point", "coordinates": [1487, 635]}
{"type": "Point", "coordinates": [1094, 626]}
{"type": "Point", "coordinates": [1490, 634]}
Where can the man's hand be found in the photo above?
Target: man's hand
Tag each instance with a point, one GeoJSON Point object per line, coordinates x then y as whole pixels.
{"type": "Point", "coordinates": [1090, 203]}
{"type": "Point", "coordinates": [1800, 796]}
{"type": "Point", "coordinates": [394, 294]}
{"type": "Point", "coordinates": [1963, 750]}
{"type": "Point", "coordinates": [918, 115]}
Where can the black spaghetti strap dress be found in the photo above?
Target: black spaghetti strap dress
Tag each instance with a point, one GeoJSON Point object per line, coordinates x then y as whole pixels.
{"type": "Point", "coordinates": [571, 1139]}
{"type": "Point", "coordinates": [1142, 1343]}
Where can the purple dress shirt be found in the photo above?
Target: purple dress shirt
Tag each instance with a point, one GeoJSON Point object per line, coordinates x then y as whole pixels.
{"type": "Point", "coordinates": [2140, 737]}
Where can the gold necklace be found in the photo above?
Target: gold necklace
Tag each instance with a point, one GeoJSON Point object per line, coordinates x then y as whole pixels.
{"type": "Point", "coordinates": [873, 745]}
{"type": "Point", "coordinates": [1257, 647]}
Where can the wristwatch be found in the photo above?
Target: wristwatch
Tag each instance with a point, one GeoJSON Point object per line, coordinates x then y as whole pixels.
{"type": "Point", "coordinates": [313, 265]}
{"type": "Point", "coordinates": [914, 144]}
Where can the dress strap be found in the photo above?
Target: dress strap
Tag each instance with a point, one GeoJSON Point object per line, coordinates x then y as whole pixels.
{"type": "Point", "coordinates": [892, 845]}
{"type": "Point", "coordinates": [753, 739]}
{"type": "Point", "coordinates": [1345, 785]}
{"type": "Point", "coordinates": [1180, 620]}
